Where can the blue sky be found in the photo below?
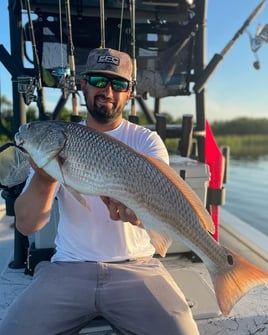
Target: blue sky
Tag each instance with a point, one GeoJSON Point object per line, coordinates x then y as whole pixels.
{"type": "Point", "coordinates": [235, 89]}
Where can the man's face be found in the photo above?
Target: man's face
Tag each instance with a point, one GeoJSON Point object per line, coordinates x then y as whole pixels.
{"type": "Point", "coordinates": [105, 104]}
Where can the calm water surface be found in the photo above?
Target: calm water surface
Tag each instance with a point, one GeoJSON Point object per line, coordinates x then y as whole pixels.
{"type": "Point", "coordinates": [247, 192]}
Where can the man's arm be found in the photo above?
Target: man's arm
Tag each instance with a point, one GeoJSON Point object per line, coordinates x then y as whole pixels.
{"type": "Point", "coordinates": [32, 207]}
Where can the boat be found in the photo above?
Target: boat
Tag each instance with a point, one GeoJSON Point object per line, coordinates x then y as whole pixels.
{"type": "Point", "coordinates": [166, 40]}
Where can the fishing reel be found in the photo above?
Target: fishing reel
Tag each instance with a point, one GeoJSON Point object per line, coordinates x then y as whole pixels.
{"type": "Point", "coordinates": [65, 81]}
{"type": "Point", "coordinates": [26, 87]}
{"type": "Point", "coordinates": [256, 42]}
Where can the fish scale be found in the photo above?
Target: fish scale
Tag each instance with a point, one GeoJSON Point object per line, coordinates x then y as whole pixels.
{"type": "Point", "coordinates": [91, 162]}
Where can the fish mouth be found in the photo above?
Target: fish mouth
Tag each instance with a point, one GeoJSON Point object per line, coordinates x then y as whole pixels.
{"type": "Point", "coordinates": [19, 137]}
{"type": "Point", "coordinates": [18, 140]}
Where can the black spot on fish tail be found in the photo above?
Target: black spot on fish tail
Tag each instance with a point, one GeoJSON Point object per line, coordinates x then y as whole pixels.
{"type": "Point", "coordinates": [230, 260]}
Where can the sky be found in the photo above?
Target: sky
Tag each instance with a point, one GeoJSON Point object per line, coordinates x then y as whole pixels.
{"type": "Point", "coordinates": [236, 89]}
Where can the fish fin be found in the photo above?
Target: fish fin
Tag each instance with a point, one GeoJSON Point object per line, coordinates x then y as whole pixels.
{"type": "Point", "coordinates": [160, 240]}
{"type": "Point", "coordinates": [189, 194]}
{"type": "Point", "coordinates": [231, 285]}
{"type": "Point", "coordinates": [78, 196]}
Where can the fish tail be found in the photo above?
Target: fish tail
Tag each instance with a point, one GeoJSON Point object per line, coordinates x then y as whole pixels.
{"type": "Point", "coordinates": [231, 285]}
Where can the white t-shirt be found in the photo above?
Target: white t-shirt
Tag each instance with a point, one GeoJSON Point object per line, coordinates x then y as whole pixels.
{"type": "Point", "coordinates": [85, 235]}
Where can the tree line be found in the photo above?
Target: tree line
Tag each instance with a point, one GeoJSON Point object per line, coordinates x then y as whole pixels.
{"type": "Point", "coordinates": [241, 126]}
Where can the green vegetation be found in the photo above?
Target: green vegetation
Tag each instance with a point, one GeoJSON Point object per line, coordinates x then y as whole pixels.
{"type": "Point", "coordinates": [251, 146]}
{"type": "Point", "coordinates": [241, 126]}
{"type": "Point", "coordinates": [6, 117]}
{"type": "Point", "coordinates": [246, 137]}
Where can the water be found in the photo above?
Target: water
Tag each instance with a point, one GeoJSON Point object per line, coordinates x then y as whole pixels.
{"type": "Point", "coordinates": [247, 192]}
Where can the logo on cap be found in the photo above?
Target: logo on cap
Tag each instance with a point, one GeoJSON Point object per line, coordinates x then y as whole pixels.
{"type": "Point", "coordinates": [109, 59]}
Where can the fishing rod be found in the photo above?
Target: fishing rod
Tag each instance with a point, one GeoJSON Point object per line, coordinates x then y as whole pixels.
{"type": "Point", "coordinates": [217, 58]}
{"type": "Point", "coordinates": [133, 115]}
{"type": "Point", "coordinates": [121, 24]}
{"type": "Point", "coordinates": [72, 85]}
{"type": "Point", "coordinates": [27, 85]}
{"type": "Point", "coordinates": [102, 24]}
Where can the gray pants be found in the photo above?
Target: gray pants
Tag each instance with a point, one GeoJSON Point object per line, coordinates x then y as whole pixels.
{"type": "Point", "coordinates": [137, 297]}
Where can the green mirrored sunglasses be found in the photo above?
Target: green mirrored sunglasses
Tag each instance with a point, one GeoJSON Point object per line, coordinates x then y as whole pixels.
{"type": "Point", "coordinates": [118, 84]}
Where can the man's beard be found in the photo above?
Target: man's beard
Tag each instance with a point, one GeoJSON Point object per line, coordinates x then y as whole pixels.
{"type": "Point", "coordinates": [103, 114]}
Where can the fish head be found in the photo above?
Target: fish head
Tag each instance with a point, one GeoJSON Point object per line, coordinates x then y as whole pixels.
{"type": "Point", "coordinates": [42, 140]}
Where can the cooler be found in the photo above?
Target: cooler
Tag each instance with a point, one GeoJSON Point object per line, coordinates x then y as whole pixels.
{"type": "Point", "coordinates": [196, 175]}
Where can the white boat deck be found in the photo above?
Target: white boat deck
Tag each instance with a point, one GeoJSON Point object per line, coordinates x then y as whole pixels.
{"type": "Point", "coordinates": [248, 317]}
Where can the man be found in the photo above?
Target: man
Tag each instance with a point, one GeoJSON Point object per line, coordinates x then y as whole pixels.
{"type": "Point", "coordinates": [103, 263]}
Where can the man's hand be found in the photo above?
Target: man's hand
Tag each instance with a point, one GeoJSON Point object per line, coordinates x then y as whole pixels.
{"type": "Point", "coordinates": [119, 211]}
